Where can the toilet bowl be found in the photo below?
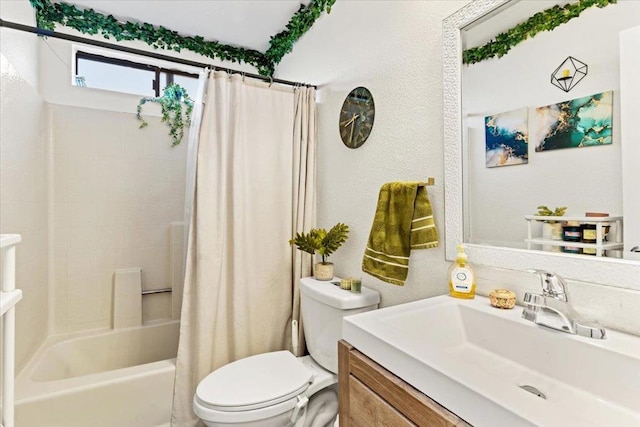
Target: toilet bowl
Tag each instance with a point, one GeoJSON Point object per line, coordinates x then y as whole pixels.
{"type": "Point", "coordinates": [275, 389]}
{"type": "Point", "coordinates": [267, 389]}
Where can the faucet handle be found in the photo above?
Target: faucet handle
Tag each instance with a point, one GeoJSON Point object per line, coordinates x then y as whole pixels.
{"type": "Point", "coordinates": [553, 285]}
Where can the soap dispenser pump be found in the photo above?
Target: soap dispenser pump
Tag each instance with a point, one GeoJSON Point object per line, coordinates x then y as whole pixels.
{"type": "Point", "coordinates": [462, 277]}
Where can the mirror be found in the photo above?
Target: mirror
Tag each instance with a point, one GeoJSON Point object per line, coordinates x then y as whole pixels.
{"type": "Point", "coordinates": [486, 207]}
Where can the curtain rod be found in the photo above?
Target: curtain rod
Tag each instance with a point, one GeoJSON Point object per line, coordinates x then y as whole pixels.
{"type": "Point", "coordinates": [72, 38]}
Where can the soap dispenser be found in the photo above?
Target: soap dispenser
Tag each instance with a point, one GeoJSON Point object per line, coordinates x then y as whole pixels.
{"type": "Point", "coordinates": [462, 277]}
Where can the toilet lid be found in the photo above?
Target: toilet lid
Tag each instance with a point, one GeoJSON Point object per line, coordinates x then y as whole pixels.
{"type": "Point", "coordinates": [254, 382]}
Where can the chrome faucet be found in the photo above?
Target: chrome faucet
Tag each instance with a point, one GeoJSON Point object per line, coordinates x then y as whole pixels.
{"type": "Point", "coordinates": [553, 310]}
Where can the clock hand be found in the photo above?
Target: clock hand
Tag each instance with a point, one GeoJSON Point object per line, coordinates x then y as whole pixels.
{"type": "Point", "coordinates": [352, 126]}
{"type": "Point", "coordinates": [348, 122]}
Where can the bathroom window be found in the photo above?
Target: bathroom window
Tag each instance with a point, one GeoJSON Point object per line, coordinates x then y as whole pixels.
{"type": "Point", "coordinates": [124, 75]}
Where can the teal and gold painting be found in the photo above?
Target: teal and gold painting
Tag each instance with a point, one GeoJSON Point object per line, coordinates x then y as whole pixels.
{"type": "Point", "coordinates": [506, 138]}
{"type": "Point", "coordinates": [581, 122]}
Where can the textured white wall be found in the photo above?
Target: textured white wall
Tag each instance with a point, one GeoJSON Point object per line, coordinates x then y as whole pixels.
{"type": "Point", "coordinates": [394, 48]}
{"type": "Point", "coordinates": [23, 181]}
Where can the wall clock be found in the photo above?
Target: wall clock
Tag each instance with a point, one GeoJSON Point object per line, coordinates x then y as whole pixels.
{"type": "Point", "coordinates": [356, 117]}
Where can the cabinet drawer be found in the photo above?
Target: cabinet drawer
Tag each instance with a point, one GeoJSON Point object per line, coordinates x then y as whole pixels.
{"type": "Point", "coordinates": [369, 409]}
{"type": "Point", "coordinates": [358, 374]}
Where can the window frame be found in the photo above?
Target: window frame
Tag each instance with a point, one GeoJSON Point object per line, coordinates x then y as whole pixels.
{"type": "Point", "coordinates": [82, 53]}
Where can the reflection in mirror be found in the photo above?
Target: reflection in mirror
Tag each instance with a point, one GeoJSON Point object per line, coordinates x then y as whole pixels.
{"type": "Point", "coordinates": [518, 192]}
{"type": "Point", "coordinates": [514, 120]}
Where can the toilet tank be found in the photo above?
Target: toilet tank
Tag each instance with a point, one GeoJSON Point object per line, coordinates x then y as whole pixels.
{"type": "Point", "coordinates": [323, 305]}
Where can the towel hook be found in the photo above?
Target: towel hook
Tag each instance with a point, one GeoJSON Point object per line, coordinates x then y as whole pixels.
{"type": "Point", "coordinates": [430, 181]}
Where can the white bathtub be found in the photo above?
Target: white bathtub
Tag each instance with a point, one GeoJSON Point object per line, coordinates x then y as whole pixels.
{"type": "Point", "coordinates": [121, 378]}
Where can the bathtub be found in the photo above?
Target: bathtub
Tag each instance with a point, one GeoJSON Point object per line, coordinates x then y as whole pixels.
{"type": "Point", "coordinates": [115, 378]}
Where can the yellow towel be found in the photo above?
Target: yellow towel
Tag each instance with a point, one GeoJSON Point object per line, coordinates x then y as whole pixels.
{"type": "Point", "coordinates": [403, 221]}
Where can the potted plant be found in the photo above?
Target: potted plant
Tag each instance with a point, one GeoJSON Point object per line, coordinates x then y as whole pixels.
{"type": "Point", "coordinates": [171, 102]}
{"type": "Point", "coordinates": [551, 229]}
{"type": "Point", "coordinates": [324, 243]}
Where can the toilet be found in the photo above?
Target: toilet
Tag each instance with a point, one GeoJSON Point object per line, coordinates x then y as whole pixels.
{"type": "Point", "coordinates": [278, 388]}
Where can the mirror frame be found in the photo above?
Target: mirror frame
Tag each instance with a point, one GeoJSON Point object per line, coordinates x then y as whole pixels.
{"type": "Point", "coordinates": [606, 271]}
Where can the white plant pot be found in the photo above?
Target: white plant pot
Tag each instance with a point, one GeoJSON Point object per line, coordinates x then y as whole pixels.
{"type": "Point", "coordinates": [323, 271]}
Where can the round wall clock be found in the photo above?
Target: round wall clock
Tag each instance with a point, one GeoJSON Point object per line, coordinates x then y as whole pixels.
{"type": "Point", "coordinates": [356, 117]}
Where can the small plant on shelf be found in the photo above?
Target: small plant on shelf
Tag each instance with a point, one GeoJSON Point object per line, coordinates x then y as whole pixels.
{"type": "Point", "coordinates": [545, 211]}
{"type": "Point", "coordinates": [323, 242]}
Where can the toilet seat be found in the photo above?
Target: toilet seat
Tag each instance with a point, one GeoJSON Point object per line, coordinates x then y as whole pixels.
{"type": "Point", "coordinates": [252, 388]}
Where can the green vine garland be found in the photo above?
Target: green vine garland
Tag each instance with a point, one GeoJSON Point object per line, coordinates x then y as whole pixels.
{"type": "Point", "coordinates": [173, 96]}
{"type": "Point", "coordinates": [88, 21]}
{"type": "Point", "coordinates": [546, 20]}
{"type": "Point", "coordinates": [300, 23]}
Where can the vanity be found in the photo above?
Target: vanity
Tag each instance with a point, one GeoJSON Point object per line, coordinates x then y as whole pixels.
{"type": "Point", "coordinates": [447, 362]}
{"type": "Point", "coordinates": [371, 394]}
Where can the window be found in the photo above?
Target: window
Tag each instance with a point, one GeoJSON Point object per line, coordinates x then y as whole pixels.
{"type": "Point", "coordinates": [123, 75]}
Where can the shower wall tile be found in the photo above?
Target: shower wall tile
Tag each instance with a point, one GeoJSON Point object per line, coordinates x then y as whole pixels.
{"type": "Point", "coordinates": [23, 198]}
{"type": "Point", "coordinates": [60, 178]}
{"type": "Point", "coordinates": [82, 238]}
{"type": "Point", "coordinates": [82, 214]}
{"type": "Point", "coordinates": [145, 236]}
{"type": "Point", "coordinates": [156, 306]}
{"type": "Point", "coordinates": [117, 188]}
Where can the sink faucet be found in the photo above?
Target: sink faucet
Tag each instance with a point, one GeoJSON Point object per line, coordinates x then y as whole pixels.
{"type": "Point", "coordinates": [553, 310]}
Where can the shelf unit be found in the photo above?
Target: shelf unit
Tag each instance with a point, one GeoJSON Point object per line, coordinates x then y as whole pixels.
{"type": "Point", "coordinates": [9, 297]}
{"type": "Point", "coordinates": [600, 246]}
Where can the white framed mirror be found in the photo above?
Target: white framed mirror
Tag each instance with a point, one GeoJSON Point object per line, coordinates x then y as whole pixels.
{"type": "Point", "coordinates": [608, 271]}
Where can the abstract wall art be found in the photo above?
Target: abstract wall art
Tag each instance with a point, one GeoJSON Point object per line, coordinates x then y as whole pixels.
{"type": "Point", "coordinates": [506, 136]}
{"type": "Point", "coordinates": [581, 122]}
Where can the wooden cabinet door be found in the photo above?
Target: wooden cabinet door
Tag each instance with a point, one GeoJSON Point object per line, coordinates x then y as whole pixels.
{"type": "Point", "coordinates": [372, 396]}
{"type": "Point", "coordinates": [368, 409]}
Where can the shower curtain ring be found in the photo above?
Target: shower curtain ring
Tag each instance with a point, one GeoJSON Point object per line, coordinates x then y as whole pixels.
{"type": "Point", "coordinates": [270, 81]}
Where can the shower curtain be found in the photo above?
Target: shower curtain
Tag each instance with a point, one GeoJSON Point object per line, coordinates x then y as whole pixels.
{"type": "Point", "coordinates": [240, 291]}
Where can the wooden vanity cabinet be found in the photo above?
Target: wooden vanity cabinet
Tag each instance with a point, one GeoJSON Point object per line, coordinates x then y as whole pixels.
{"type": "Point", "coordinates": [372, 396]}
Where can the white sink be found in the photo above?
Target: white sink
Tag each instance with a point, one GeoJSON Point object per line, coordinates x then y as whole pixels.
{"type": "Point", "coordinates": [472, 359]}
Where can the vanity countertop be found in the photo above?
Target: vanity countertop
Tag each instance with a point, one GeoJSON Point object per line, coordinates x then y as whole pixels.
{"type": "Point", "coordinates": [473, 359]}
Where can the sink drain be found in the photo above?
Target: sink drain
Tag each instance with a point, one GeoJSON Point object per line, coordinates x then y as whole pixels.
{"type": "Point", "coordinates": [531, 389]}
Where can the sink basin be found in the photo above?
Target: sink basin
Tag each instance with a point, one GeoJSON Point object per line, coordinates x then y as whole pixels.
{"type": "Point", "coordinates": [486, 365]}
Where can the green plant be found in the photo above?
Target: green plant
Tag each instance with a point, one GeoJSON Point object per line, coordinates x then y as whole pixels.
{"type": "Point", "coordinates": [173, 98]}
{"type": "Point", "coordinates": [88, 21]}
{"type": "Point", "coordinates": [321, 241]}
{"type": "Point", "coordinates": [546, 20]}
{"type": "Point", "coordinates": [545, 211]}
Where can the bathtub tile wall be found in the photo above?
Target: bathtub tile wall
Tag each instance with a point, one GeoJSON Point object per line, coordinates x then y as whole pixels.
{"type": "Point", "coordinates": [156, 306]}
{"type": "Point", "coordinates": [23, 195]}
{"type": "Point", "coordinates": [117, 189]}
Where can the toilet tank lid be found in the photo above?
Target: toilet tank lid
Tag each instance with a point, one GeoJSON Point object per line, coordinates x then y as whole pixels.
{"type": "Point", "coordinates": [330, 294]}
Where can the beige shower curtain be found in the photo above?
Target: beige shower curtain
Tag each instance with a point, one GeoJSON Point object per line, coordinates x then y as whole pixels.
{"type": "Point", "coordinates": [238, 293]}
{"type": "Point", "coordinates": [304, 196]}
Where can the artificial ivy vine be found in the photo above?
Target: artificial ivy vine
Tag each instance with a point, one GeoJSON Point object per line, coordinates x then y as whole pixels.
{"type": "Point", "coordinates": [300, 23]}
{"type": "Point", "coordinates": [88, 21]}
{"type": "Point", "coordinates": [546, 20]}
{"type": "Point", "coordinates": [171, 102]}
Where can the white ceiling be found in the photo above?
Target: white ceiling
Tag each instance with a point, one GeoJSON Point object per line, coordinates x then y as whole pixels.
{"type": "Point", "coordinates": [245, 23]}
